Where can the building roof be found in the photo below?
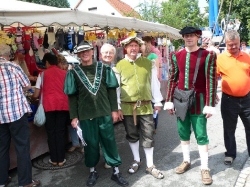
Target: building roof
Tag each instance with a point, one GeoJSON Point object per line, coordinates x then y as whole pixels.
{"type": "Point", "coordinates": [123, 8]}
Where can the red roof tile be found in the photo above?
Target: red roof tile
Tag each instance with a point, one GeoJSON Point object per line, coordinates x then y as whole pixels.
{"type": "Point", "coordinates": [123, 8]}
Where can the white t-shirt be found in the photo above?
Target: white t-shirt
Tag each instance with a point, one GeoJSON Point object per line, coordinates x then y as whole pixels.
{"type": "Point", "coordinates": [38, 82]}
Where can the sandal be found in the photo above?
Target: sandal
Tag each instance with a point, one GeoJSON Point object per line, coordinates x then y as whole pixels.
{"type": "Point", "coordinates": [53, 163]}
{"type": "Point", "coordinates": [228, 160]}
{"type": "Point", "coordinates": [134, 167]}
{"type": "Point", "coordinates": [155, 172]}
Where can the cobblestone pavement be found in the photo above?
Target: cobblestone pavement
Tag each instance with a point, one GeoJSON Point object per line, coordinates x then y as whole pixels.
{"type": "Point", "coordinates": [167, 156]}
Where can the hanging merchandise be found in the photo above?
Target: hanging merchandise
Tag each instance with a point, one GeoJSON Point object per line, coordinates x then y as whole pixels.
{"type": "Point", "coordinates": [26, 40]}
{"type": "Point", "coordinates": [35, 43]}
{"type": "Point", "coordinates": [51, 36]}
{"type": "Point", "coordinates": [80, 35]}
{"type": "Point", "coordinates": [45, 40]}
{"type": "Point", "coordinates": [59, 39]}
{"type": "Point", "coordinates": [9, 39]}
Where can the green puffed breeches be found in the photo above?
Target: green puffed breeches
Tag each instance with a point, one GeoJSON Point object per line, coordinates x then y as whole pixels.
{"type": "Point", "coordinates": [96, 132]}
{"type": "Point", "coordinates": [199, 125]}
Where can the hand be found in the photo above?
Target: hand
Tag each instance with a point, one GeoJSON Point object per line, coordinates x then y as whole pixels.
{"type": "Point", "coordinates": [217, 100]}
{"type": "Point", "coordinates": [115, 116]}
{"type": "Point", "coordinates": [120, 115]}
{"type": "Point", "coordinates": [74, 123]}
{"type": "Point", "coordinates": [208, 115]}
{"type": "Point", "coordinates": [157, 108]}
{"type": "Point", "coordinates": [171, 111]}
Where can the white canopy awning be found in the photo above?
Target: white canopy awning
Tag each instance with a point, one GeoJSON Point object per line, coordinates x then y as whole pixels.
{"type": "Point", "coordinates": [30, 14]}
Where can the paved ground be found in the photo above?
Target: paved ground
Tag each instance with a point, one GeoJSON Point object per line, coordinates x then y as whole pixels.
{"type": "Point", "coordinates": [167, 156]}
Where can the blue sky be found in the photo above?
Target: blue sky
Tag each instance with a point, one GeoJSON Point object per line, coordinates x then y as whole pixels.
{"type": "Point", "coordinates": [134, 3]}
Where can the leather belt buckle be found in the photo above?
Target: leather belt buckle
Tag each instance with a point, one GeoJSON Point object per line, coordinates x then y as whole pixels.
{"type": "Point", "coordinates": [138, 103]}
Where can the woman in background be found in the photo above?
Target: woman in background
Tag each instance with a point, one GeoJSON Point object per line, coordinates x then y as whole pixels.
{"type": "Point", "coordinates": [56, 108]}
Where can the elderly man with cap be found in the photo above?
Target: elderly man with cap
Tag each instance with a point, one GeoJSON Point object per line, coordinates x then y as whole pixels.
{"type": "Point", "coordinates": [94, 107]}
{"type": "Point", "coordinates": [182, 70]}
{"type": "Point", "coordinates": [138, 88]}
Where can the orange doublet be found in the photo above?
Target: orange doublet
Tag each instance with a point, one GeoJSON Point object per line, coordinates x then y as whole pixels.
{"type": "Point", "coordinates": [235, 73]}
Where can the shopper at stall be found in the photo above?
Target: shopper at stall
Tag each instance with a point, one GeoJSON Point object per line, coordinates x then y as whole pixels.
{"type": "Point", "coordinates": [183, 65]}
{"type": "Point", "coordinates": [13, 121]}
{"type": "Point", "coordinates": [20, 60]}
{"type": "Point", "coordinates": [63, 64]}
{"type": "Point", "coordinates": [146, 52]}
{"type": "Point", "coordinates": [55, 104]}
{"type": "Point", "coordinates": [94, 106]}
{"type": "Point", "coordinates": [137, 89]}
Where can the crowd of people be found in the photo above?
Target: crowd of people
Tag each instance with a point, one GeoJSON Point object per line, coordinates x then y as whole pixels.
{"type": "Point", "coordinates": [128, 91]}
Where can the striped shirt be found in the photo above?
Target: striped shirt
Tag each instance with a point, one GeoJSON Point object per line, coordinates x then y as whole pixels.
{"type": "Point", "coordinates": [13, 103]}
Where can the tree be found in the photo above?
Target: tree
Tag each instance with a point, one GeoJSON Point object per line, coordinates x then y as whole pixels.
{"type": "Point", "coordinates": [175, 13]}
{"type": "Point", "coordinates": [150, 10]}
{"type": "Point", "coordinates": [55, 3]}
{"type": "Point", "coordinates": [180, 13]}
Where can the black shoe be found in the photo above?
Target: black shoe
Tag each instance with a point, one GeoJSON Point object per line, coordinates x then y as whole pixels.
{"type": "Point", "coordinates": [119, 179]}
{"type": "Point", "coordinates": [92, 178]}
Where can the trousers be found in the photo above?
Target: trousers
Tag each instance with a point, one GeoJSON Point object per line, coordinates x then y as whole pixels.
{"type": "Point", "coordinates": [20, 133]}
{"type": "Point", "coordinates": [199, 124]}
{"type": "Point", "coordinates": [56, 124]}
{"type": "Point", "coordinates": [231, 109]}
{"type": "Point", "coordinates": [145, 127]}
{"type": "Point", "coordinates": [98, 131]}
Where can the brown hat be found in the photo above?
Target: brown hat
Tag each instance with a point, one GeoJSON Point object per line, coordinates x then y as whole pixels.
{"type": "Point", "coordinates": [130, 39]}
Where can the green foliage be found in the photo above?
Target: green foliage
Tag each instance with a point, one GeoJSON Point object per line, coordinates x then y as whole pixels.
{"type": "Point", "coordinates": [150, 10]}
{"type": "Point", "coordinates": [55, 3]}
{"type": "Point", "coordinates": [175, 13]}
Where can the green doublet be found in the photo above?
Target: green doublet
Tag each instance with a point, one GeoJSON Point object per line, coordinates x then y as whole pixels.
{"type": "Point", "coordinates": [135, 84]}
{"type": "Point", "coordinates": [92, 99]}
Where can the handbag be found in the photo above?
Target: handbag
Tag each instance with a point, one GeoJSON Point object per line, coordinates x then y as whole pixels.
{"type": "Point", "coordinates": [69, 83]}
{"type": "Point", "coordinates": [39, 118]}
{"type": "Point", "coordinates": [184, 99]}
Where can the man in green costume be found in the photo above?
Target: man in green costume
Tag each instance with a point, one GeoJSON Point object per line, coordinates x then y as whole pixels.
{"type": "Point", "coordinates": [138, 89]}
{"type": "Point", "coordinates": [94, 106]}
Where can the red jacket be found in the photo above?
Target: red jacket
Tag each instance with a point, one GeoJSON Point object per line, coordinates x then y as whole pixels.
{"type": "Point", "coordinates": [53, 96]}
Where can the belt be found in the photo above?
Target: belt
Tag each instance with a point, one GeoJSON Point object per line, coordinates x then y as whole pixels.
{"type": "Point", "coordinates": [136, 104]}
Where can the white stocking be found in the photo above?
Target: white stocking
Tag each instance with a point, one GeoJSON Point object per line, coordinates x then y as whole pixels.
{"type": "Point", "coordinates": [149, 156]}
{"type": "Point", "coordinates": [203, 156]}
{"type": "Point", "coordinates": [135, 150]}
{"type": "Point", "coordinates": [186, 152]}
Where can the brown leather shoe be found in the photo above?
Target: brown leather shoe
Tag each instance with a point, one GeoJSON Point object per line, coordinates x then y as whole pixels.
{"type": "Point", "coordinates": [206, 177]}
{"type": "Point", "coordinates": [183, 167]}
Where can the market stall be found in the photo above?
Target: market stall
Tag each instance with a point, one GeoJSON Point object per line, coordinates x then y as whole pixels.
{"type": "Point", "coordinates": [39, 23]}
